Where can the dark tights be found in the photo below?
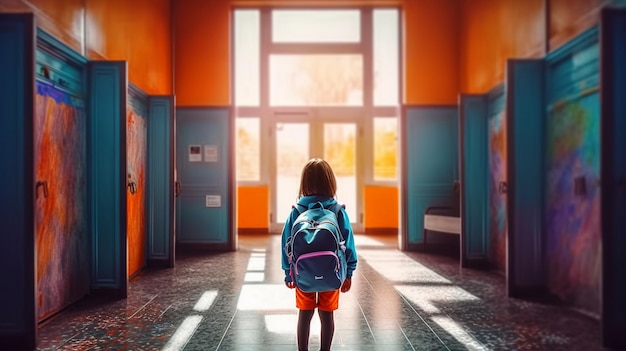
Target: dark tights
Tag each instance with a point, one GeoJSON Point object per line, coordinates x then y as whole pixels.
{"type": "Point", "coordinates": [327, 322]}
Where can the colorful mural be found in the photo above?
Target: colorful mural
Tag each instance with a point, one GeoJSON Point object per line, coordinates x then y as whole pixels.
{"type": "Point", "coordinates": [136, 149]}
{"type": "Point", "coordinates": [497, 200]}
{"type": "Point", "coordinates": [573, 251]}
{"type": "Point", "coordinates": [60, 211]}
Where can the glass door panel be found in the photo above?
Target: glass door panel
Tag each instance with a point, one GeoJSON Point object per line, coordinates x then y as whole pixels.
{"type": "Point", "coordinates": [292, 153]}
{"type": "Point", "coordinates": [340, 152]}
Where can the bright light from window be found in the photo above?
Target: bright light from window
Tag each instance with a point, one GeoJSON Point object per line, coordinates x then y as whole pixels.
{"type": "Point", "coordinates": [316, 80]}
{"type": "Point", "coordinates": [206, 301]}
{"type": "Point", "coordinates": [282, 323]}
{"type": "Point", "coordinates": [248, 145]}
{"type": "Point", "coordinates": [247, 58]}
{"type": "Point", "coordinates": [183, 334]}
{"type": "Point", "coordinates": [386, 58]}
{"type": "Point", "coordinates": [423, 288]}
{"type": "Point", "coordinates": [273, 296]}
{"type": "Point", "coordinates": [385, 148]}
{"type": "Point", "coordinates": [316, 26]}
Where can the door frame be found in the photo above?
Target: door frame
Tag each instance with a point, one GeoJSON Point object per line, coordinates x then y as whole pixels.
{"type": "Point", "coordinates": [316, 117]}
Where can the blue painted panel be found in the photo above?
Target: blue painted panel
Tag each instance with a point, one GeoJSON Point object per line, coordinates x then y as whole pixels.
{"type": "Point", "coordinates": [160, 195]}
{"type": "Point", "coordinates": [526, 133]}
{"type": "Point", "coordinates": [474, 180]}
{"type": "Point", "coordinates": [572, 236]}
{"type": "Point", "coordinates": [431, 135]}
{"type": "Point", "coordinates": [107, 154]}
{"type": "Point", "coordinates": [613, 169]}
{"type": "Point", "coordinates": [18, 325]}
{"type": "Point", "coordinates": [206, 173]}
{"type": "Point", "coordinates": [498, 158]}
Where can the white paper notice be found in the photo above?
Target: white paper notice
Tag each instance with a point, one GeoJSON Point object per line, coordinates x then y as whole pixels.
{"type": "Point", "coordinates": [195, 153]}
{"type": "Point", "coordinates": [210, 153]}
{"type": "Point", "coordinates": [213, 201]}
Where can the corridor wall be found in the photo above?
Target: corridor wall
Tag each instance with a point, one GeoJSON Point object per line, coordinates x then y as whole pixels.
{"type": "Point", "coordinates": [474, 175]}
{"type": "Point", "coordinates": [136, 165]}
{"type": "Point", "coordinates": [431, 161]}
{"type": "Point", "coordinates": [18, 314]}
{"type": "Point", "coordinates": [108, 176]}
{"type": "Point", "coordinates": [572, 175]}
{"type": "Point", "coordinates": [613, 173]}
{"type": "Point", "coordinates": [497, 154]}
{"type": "Point", "coordinates": [60, 156]}
{"type": "Point", "coordinates": [205, 176]}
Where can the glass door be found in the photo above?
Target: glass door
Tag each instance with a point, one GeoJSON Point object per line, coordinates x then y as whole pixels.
{"type": "Point", "coordinates": [298, 140]}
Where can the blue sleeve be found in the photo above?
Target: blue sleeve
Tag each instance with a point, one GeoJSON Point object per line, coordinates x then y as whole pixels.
{"type": "Point", "coordinates": [348, 235]}
{"type": "Point", "coordinates": [285, 236]}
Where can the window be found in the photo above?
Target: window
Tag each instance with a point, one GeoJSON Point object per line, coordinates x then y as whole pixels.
{"type": "Point", "coordinates": [386, 58]}
{"type": "Point", "coordinates": [247, 58]}
{"type": "Point", "coordinates": [315, 80]}
{"type": "Point", "coordinates": [248, 143]}
{"type": "Point", "coordinates": [385, 148]}
{"type": "Point", "coordinates": [316, 26]}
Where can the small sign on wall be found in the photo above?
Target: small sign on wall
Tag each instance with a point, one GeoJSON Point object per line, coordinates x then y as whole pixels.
{"type": "Point", "coordinates": [195, 153]}
{"type": "Point", "coordinates": [210, 153]}
{"type": "Point", "coordinates": [213, 201]}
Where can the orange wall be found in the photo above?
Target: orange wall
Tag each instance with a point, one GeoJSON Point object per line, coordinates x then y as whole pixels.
{"type": "Point", "coordinates": [202, 49]}
{"type": "Point", "coordinates": [494, 31]}
{"type": "Point", "coordinates": [431, 47]}
{"type": "Point", "coordinates": [138, 32]}
{"type": "Point", "coordinates": [569, 18]}
{"type": "Point", "coordinates": [202, 52]}
{"type": "Point", "coordinates": [381, 207]}
{"type": "Point", "coordinates": [252, 207]}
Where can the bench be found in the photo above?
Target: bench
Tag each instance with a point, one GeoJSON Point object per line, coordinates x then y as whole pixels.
{"type": "Point", "coordinates": [444, 223]}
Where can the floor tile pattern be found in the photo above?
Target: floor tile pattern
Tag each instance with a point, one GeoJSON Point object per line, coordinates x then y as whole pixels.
{"type": "Point", "coordinates": [237, 301]}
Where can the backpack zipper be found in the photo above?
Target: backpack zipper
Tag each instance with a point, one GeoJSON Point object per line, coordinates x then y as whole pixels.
{"type": "Point", "coordinates": [319, 253]}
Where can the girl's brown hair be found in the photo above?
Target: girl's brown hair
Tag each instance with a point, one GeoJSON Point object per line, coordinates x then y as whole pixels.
{"type": "Point", "coordinates": [318, 179]}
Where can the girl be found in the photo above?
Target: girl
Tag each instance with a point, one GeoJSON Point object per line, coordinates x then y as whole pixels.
{"type": "Point", "coordinates": [318, 184]}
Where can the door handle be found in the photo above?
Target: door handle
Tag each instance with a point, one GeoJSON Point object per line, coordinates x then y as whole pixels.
{"type": "Point", "coordinates": [131, 185]}
{"type": "Point", "coordinates": [176, 188]}
{"type": "Point", "coordinates": [502, 187]}
{"type": "Point", "coordinates": [39, 184]}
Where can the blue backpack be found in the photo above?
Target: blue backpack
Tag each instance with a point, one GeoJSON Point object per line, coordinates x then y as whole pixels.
{"type": "Point", "coordinates": [316, 249]}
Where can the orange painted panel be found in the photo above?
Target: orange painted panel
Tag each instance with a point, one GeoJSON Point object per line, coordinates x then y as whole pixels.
{"type": "Point", "coordinates": [493, 32]}
{"type": "Point", "coordinates": [252, 207]}
{"type": "Point", "coordinates": [202, 51]}
{"type": "Point", "coordinates": [569, 18]}
{"type": "Point", "coordinates": [61, 19]}
{"type": "Point", "coordinates": [381, 207]}
{"type": "Point", "coordinates": [138, 32]}
{"type": "Point", "coordinates": [431, 52]}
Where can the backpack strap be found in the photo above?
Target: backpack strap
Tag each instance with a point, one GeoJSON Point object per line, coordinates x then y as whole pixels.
{"type": "Point", "coordinates": [299, 208]}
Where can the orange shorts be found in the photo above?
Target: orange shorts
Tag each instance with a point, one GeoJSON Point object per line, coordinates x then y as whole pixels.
{"type": "Point", "coordinates": [326, 301]}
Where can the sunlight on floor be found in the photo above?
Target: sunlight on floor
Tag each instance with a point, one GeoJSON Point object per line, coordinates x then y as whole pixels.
{"type": "Point", "coordinates": [266, 297]}
{"type": "Point", "coordinates": [423, 288]}
{"type": "Point", "coordinates": [188, 327]}
{"type": "Point", "coordinates": [206, 301]}
{"type": "Point", "coordinates": [183, 334]}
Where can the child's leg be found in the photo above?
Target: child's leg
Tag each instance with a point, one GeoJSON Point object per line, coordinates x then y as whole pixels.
{"type": "Point", "coordinates": [327, 321]}
{"type": "Point", "coordinates": [304, 329]}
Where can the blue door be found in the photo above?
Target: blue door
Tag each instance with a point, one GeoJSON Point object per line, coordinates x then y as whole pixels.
{"type": "Point", "coordinates": [204, 178]}
{"type": "Point", "coordinates": [432, 166]}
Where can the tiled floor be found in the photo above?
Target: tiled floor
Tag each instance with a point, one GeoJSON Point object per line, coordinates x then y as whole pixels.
{"type": "Point", "coordinates": [398, 301]}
